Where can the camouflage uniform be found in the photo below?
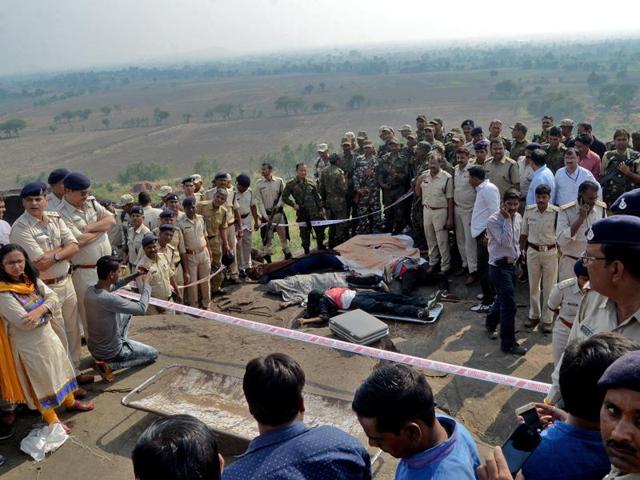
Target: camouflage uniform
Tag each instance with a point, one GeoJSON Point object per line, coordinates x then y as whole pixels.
{"type": "Point", "coordinates": [384, 149]}
{"type": "Point", "coordinates": [542, 137]}
{"type": "Point", "coordinates": [367, 193]}
{"type": "Point", "coordinates": [333, 190]}
{"type": "Point", "coordinates": [393, 174]}
{"type": "Point", "coordinates": [347, 164]}
{"type": "Point", "coordinates": [555, 156]}
{"type": "Point", "coordinates": [305, 195]}
{"type": "Point", "coordinates": [421, 135]}
{"type": "Point", "coordinates": [517, 148]}
{"type": "Point", "coordinates": [318, 166]}
{"type": "Point", "coordinates": [614, 182]}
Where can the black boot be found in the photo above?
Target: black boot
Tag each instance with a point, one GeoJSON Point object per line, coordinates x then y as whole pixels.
{"type": "Point", "coordinates": [288, 256]}
{"type": "Point", "coordinates": [306, 250]}
{"type": "Point", "coordinates": [267, 258]}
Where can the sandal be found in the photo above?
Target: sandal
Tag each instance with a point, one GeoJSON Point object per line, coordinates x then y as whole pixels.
{"type": "Point", "coordinates": [105, 371]}
{"type": "Point", "coordinates": [80, 393]}
{"type": "Point", "coordinates": [82, 406]}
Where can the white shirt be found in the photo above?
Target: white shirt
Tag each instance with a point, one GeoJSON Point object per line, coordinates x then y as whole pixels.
{"type": "Point", "coordinates": [567, 184]}
{"type": "Point", "coordinates": [151, 216]}
{"type": "Point", "coordinates": [5, 230]}
{"type": "Point", "coordinates": [487, 203]}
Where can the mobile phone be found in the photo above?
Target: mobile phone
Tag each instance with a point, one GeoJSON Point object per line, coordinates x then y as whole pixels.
{"type": "Point", "coordinates": [530, 416]}
{"type": "Point", "coordinates": [520, 444]}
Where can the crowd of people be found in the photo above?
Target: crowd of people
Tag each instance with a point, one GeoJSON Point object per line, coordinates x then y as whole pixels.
{"type": "Point", "coordinates": [559, 212]}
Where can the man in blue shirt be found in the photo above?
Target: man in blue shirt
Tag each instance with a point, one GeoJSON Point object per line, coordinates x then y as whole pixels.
{"type": "Point", "coordinates": [542, 175]}
{"type": "Point", "coordinates": [396, 409]}
{"type": "Point", "coordinates": [573, 449]}
{"type": "Point", "coordinates": [286, 448]}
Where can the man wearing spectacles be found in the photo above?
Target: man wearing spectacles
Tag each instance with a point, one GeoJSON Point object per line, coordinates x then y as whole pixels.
{"type": "Point", "coordinates": [613, 304]}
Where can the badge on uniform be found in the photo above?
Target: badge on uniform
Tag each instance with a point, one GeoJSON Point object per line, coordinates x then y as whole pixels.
{"type": "Point", "coordinates": [622, 205]}
{"type": "Point", "coordinates": [590, 234]}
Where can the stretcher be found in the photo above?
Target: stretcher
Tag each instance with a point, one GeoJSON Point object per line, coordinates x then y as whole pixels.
{"type": "Point", "coordinates": [434, 314]}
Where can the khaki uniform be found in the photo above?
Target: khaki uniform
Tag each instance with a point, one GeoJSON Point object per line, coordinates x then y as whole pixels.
{"type": "Point", "coordinates": [214, 219]}
{"type": "Point", "coordinates": [161, 273]}
{"type": "Point", "coordinates": [177, 242]}
{"type": "Point", "coordinates": [268, 191]}
{"type": "Point", "coordinates": [232, 206]}
{"type": "Point", "coordinates": [542, 258]}
{"type": "Point", "coordinates": [504, 174]}
{"type": "Point", "coordinates": [436, 190]}
{"type": "Point", "coordinates": [134, 243]}
{"type": "Point", "coordinates": [246, 200]}
{"type": "Point", "coordinates": [151, 217]}
{"type": "Point", "coordinates": [572, 247]}
{"type": "Point", "coordinates": [53, 202]}
{"type": "Point", "coordinates": [198, 260]}
{"type": "Point", "coordinates": [36, 238]}
{"type": "Point", "coordinates": [565, 297]}
{"type": "Point", "coordinates": [84, 262]}
{"type": "Point", "coordinates": [596, 314]}
{"type": "Point", "coordinates": [464, 196]}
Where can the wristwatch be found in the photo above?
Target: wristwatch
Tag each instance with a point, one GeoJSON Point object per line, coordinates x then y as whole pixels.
{"type": "Point", "coordinates": [56, 258]}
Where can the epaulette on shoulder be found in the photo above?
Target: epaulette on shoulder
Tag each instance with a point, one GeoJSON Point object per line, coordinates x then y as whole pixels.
{"type": "Point", "coordinates": [568, 205]}
{"type": "Point", "coordinates": [600, 203]}
{"type": "Point", "coordinates": [566, 283]}
{"type": "Point", "coordinates": [532, 207]}
{"type": "Point", "coordinates": [91, 197]}
{"type": "Point", "coordinates": [52, 213]}
{"type": "Point", "coordinates": [553, 207]}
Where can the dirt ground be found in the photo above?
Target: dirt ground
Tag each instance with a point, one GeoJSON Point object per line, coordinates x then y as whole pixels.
{"type": "Point", "coordinates": [101, 442]}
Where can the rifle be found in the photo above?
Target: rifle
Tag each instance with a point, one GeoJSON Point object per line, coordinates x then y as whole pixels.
{"type": "Point", "coordinates": [269, 229]}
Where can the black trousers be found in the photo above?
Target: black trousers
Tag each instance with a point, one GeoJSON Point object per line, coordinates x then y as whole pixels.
{"type": "Point", "coordinates": [380, 302]}
{"type": "Point", "coordinates": [483, 270]}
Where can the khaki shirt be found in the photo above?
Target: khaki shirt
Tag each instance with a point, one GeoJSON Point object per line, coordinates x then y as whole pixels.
{"type": "Point", "coordinates": [214, 218]}
{"type": "Point", "coordinates": [194, 233]}
{"type": "Point", "coordinates": [245, 201]}
{"type": "Point", "coordinates": [566, 296]}
{"type": "Point", "coordinates": [77, 219]}
{"type": "Point", "coordinates": [38, 237]}
{"type": "Point", "coordinates": [616, 474]}
{"type": "Point", "coordinates": [267, 191]}
{"type": "Point", "coordinates": [53, 202]}
{"type": "Point", "coordinates": [596, 314]}
{"type": "Point", "coordinates": [134, 241]}
{"type": "Point", "coordinates": [232, 205]}
{"type": "Point", "coordinates": [576, 245]}
{"type": "Point", "coordinates": [177, 241]}
{"type": "Point", "coordinates": [464, 195]}
{"type": "Point", "coordinates": [436, 190]}
{"type": "Point", "coordinates": [161, 273]}
{"type": "Point", "coordinates": [504, 174]}
{"type": "Point", "coordinates": [540, 227]}
{"type": "Point", "coordinates": [171, 255]}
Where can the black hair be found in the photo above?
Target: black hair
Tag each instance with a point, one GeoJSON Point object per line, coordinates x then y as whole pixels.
{"type": "Point", "coordinates": [555, 132]}
{"type": "Point", "coordinates": [547, 117]}
{"type": "Point", "coordinates": [29, 270]}
{"type": "Point", "coordinates": [106, 265]}
{"type": "Point", "coordinates": [298, 165]}
{"type": "Point", "coordinates": [495, 141]}
{"type": "Point", "coordinates": [510, 194]}
{"type": "Point", "coordinates": [543, 190]}
{"type": "Point", "coordinates": [268, 165]}
{"type": "Point", "coordinates": [313, 303]}
{"type": "Point", "coordinates": [178, 447]}
{"type": "Point", "coordinates": [583, 364]}
{"type": "Point", "coordinates": [273, 387]}
{"type": "Point", "coordinates": [539, 157]}
{"type": "Point", "coordinates": [477, 172]}
{"type": "Point", "coordinates": [588, 185]}
{"type": "Point", "coordinates": [395, 395]}
{"type": "Point", "coordinates": [626, 254]}
{"type": "Point", "coordinates": [584, 138]}
{"type": "Point", "coordinates": [570, 151]}
{"type": "Point", "coordinates": [586, 126]}
{"type": "Point", "coordinates": [144, 198]}
{"type": "Point", "coordinates": [334, 158]}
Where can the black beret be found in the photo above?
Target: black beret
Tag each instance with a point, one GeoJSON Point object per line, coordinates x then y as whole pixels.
{"type": "Point", "coordinates": [57, 175]}
{"type": "Point", "coordinates": [243, 180]}
{"type": "Point", "coordinates": [615, 230]}
{"type": "Point", "coordinates": [481, 145]}
{"type": "Point", "coordinates": [580, 270]}
{"type": "Point", "coordinates": [166, 227]}
{"type": "Point", "coordinates": [188, 202]}
{"type": "Point", "coordinates": [468, 123]}
{"type": "Point", "coordinates": [77, 181]}
{"type": "Point", "coordinates": [149, 239]}
{"type": "Point", "coordinates": [170, 196]}
{"type": "Point", "coordinates": [167, 213]}
{"type": "Point", "coordinates": [136, 209]}
{"type": "Point", "coordinates": [476, 131]}
{"type": "Point", "coordinates": [187, 179]}
{"type": "Point", "coordinates": [627, 204]}
{"type": "Point", "coordinates": [220, 176]}
{"type": "Point", "coordinates": [623, 373]}
{"type": "Point", "coordinates": [532, 146]}
{"type": "Point", "coordinates": [33, 189]}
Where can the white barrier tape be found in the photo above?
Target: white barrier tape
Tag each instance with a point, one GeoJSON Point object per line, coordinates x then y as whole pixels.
{"type": "Point", "coordinates": [491, 377]}
{"type": "Point", "coordinates": [202, 280]}
{"type": "Point", "coordinates": [324, 223]}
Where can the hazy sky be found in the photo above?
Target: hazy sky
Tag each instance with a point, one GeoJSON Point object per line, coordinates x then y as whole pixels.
{"type": "Point", "coordinates": [41, 35]}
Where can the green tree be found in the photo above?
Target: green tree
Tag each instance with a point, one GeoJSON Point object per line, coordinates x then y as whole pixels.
{"type": "Point", "coordinates": [323, 86]}
{"type": "Point", "coordinates": [283, 103]}
{"type": "Point", "coordinates": [187, 117]}
{"type": "Point", "coordinates": [224, 110]}
{"type": "Point", "coordinates": [307, 89]}
{"type": "Point", "coordinates": [205, 166]}
{"type": "Point", "coordinates": [160, 115]}
{"type": "Point", "coordinates": [507, 89]}
{"type": "Point", "coordinates": [106, 111]}
{"type": "Point", "coordinates": [320, 107]}
{"type": "Point", "coordinates": [141, 171]}
{"type": "Point", "coordinates": [356, 101]}
{"type": "Point", "coordinates": [13, 126]}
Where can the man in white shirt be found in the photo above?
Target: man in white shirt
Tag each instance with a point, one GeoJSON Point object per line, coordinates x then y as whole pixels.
{"type": "Point", "coordinates": [486, 204]}
{"type": "Point", "coordinates": [151, 214]}
{"type": "Point", "coordinates": [570, 177]}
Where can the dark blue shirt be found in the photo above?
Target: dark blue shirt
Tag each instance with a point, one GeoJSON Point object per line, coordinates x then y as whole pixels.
{"type": "Point", "coordinates": [568, 453]}
{"type": "Point", "coordinates": [298, 452]}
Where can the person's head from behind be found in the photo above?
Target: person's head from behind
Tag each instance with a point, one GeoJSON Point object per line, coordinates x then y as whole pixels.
{"type": "Point", "coordinates": [108, 269]}
{"type": "Point", "coordinates": [619, 425]}
{"type": "Point", "coordinates": [582, 366]}
{"type": "Point", "coordinates": [273, 387]}
{"type": "Point", "coordinates": [144, 198]}
{"type": "Point", "coordinates": [15, 266]}
{"type": "Point", "coordinates": [178, 447]}
{"type": "Point", "coordinates": [396, 410]}
{"type": "Point", "coordinates": [477, 175]}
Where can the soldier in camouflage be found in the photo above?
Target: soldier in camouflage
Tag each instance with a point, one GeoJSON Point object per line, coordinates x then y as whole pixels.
{"type": "Point", "coordinates": [620, 168]}
{"type": "Point", "coordinates": [543, 136]}
{"type": "Point", "coordinates": [333, 191]}
{"type": "Point", "coordinates": [322, 161]}
{"type": "Point", "coordinates": [347, 163]}
{"type": "Point", "coordinates": [393, 175]}
{"type": "Point", "coordinates": [386, 134]}
{"type": "Point", "coordinates": [566, 127]}
{"type": "Point", "coordinates": [367, 191]}
{"type": "Point", "coordinates": [360, 139]}
{"type": "Point", "coordinates": [555, 149]}
{"type": "Point", "coordinates": [519, 134]}
{"type": "Point", "coordinates": [438, 126]}
{"type": "Point", "coordinates": [302, 194]}
{"type": "Point", "coordinates": [421, 123]}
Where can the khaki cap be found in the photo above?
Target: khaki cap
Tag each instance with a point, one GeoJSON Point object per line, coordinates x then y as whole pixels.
{"type": "Point", "coordinates": [126, 199]}
{"type": "Point", "coordinates": [322, 147]}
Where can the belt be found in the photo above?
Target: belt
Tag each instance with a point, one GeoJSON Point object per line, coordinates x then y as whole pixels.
{"type": "Point", "coordinates": [541, 248]}
{"type": "Point", "coordinates": [190, 251]}
{"type": "Point", "coordinates": [53, 281]}
{"type": "Point", "coordinates": [209, 237]}
{"type": "Point", "coordinates": [505, 262]}
{"type": "Point", "coordinates": [566, 323]}
{"type": "Point", "coordinates": [245, 215]}
{"type": "Point", "coordinates": [434, 208]}
{"type": "Point", "coordinates": [75, 267]}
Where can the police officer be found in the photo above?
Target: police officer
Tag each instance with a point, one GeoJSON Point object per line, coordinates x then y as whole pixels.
{"type": "Point", "coordinates": [574, 219]}
{"type": "Point", "coordinates": [620, 168]}
{"type": "Point", "coordinates": [421, 164]}
{"type": "Point", "coordinates": [89, 223]}
{"type": "Point", "coordinates": [197, 265]}
{"type": "Point", "coordinates": [189, 189]}
{"type": "Point", "coordinates": [233, 232]}
{"type": "Point", "coordinates": [248, 210]}
{"type": "Point", "coordinates": [435, 188]}
{"type": "Point", "coordinates": [56, 185]}
{"type": "Point", "coordinates": [464, 197]}
{"type": "Point", "coordinates": [50, 244]}
{"type": "Point", "coordinates": [495, 131]}
{"type": "Point", "coordinates": [135, 233]}
{"type": "Point", "coordinates": [538, 242]}
{"type": "Point", "coordinates": [171, 255]}
{"type": "Point", "coordinates": [269, 190]}
{"type": "Point", "coordinates": [302, 194]}
{"type": "Point", "coordinates": [627, 204]}
{"type": "Point", "coordinates": [393, 175]}
{"type": "Point", "coordinates": [168, 217]}
{"type": "Point", "coordinates": [161, 272]}
{"type": "Point", "coordinates": [216, 218]}
{"type": "Point", "coordinates": [367, 192]}
{"type": "Point", "coordinates": [612, 304]}
{"type": "Point", "coordinates": [333, 190]}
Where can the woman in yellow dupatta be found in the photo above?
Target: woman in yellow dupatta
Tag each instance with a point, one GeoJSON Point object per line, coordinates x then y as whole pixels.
{"type": "Point", "coordinates": [41, 375]}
